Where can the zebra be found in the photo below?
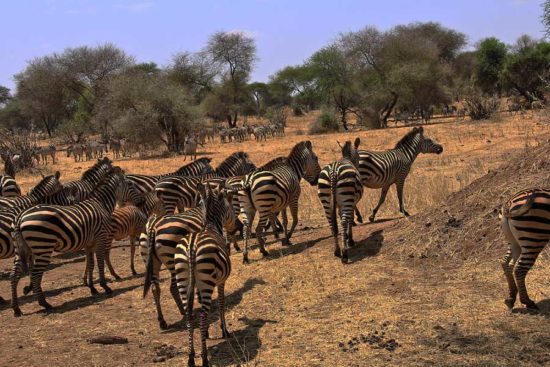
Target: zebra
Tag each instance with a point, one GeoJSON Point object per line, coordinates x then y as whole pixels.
{"type": "Point", "coordinates": [181, 191]}
{"type": "Point", "coordinates": [340, 189]}
{"type": "Point", "coordinates": [77, 150]}
{"type": "Point", "coordinates": [44, 152]}
{"type": "Point", "coordinates": [8, 185]}
{"type": "Point", "coordinates": [525, 222]}
{"type": "Point", "coordinates": [202, 262]}
{"type": "Point", "coordinates": [270, 191]}
{"type": "Point", "coordinates": [163, 235]}
{"type": "Point", "coordinates": [190, 148]}
{"type": "Point", "coordinates": [43, 229]}
{"type": "Point", "coordinates": [90, 179]}
{"type": "Point", "coordinates": [146, 183]}
{"type": "Point", "coordinates": [383, 169]}
{"type": "Point", "coordinates": [129, 222]}
{"type": "Point", "coordinates": [47, 186]}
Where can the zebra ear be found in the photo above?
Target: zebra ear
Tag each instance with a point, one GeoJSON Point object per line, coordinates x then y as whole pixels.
{"type": "Point", "coordinates": [57, 175]}
{"type": "Point", "coordinates": [308, 145]}
{"type": "Point", "coordinates": [356, 143]}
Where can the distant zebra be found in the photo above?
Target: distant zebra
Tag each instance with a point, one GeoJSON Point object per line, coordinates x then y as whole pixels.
{"type": "Point", "coordinates": [43, 229]}
{"type": "Point", "coordinates": [43, 153]}
{"type": "Point", "coordinates": [383, 169]}
{"type": "Point", "coordinates": [8, 185]}
{"type": "Point", "coordinates": [47, 186]}
{"type": "Point", "coordinates": [146, 183]}
{"type": "Point", "coordinates": [525, 222]}
{"type": "Point", "coordinates": [202, 262]}
{"type": "Point", "coordinates": [181, 191]}
{"type": "Point", "coordinates": [190, 148]}
{"type": "Point", "coordinates": [163, 235]}
{"type": "Point", "coordinates": [270, 191]}
{"type": "Point", "coordinates": [129, 222]}
{"type": "Point", "coordinates": [339, 190]}
{"type": "Point", "coordinates": [90, 179]}
{"type": "Point", "coordinates": [77, 150]}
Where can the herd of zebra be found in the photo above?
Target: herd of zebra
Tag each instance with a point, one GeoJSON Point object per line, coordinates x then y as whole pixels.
{"type": "Point", "coordinates": [215, 208]}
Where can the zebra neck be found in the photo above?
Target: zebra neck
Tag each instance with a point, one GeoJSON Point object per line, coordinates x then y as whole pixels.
{"type": "Point", "coordinates": [410, 150]}
{"type": "Point", "coordinates": [214, 226]}
{"type": "Point", "coordinates": [106, 196]}
{"type": "Point", "coordinates": [297, 165]}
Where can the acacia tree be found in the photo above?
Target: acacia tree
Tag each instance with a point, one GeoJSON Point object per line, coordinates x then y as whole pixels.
{"type": "Point", "coordinates": [234, 53]}
{"type": "Point", "coordinates": [296, 84]}
{"type": "Point", "coordinates": [5, 95]}
{"type": "Point", "coordinates": [491, 55]}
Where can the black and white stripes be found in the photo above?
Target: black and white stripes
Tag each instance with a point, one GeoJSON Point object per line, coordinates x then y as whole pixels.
{"type": "Point", "coordinates": [380, 170]}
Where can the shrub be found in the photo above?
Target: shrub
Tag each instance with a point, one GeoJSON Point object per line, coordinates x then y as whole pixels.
{"type": "Point", "coordinates": [326, 122]}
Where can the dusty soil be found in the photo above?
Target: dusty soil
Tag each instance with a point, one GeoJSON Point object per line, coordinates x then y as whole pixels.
{"type": "Point", "coordinates": [424, 291]}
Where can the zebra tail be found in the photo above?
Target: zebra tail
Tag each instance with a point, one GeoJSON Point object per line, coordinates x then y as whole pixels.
{"type": "Point", "coordinates": [151, 239]}
{"type": "Point", "coordinates": [507, 213]}
{"type": "Point", "coordinates": [22, 249]}
{"type": "Point", "coordinates": [191, 286]}
{"type": "Point", "coordinates": [333, 221]}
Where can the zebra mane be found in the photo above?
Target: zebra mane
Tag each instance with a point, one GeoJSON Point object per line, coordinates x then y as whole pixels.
{"type": "Point", "coordinates": [409, 137]}
{"type": "Point", "coordinates": [9, 167]}
{"type": "Point", "coordinates": [197, 162]}
{"type": "Point", "coordinates": [89, 173]}
{"type": "Point", "coordinates": [46, 181]}
{"type": "Point", "coordinates": [274, 163]}
{"type": "Point", "coordinates": [228, 162]}
{"type": "Point", "coordinates": [298, 148]}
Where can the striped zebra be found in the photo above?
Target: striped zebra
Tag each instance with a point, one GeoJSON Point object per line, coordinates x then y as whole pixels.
{"type": "Point", "coordinates": [163, 235]}
{"type": "Point", "coordinates": [270, 191]}
{"type": "Point", "coordinates": [181, 191]}
{"type": "Point", "coordinates": [8, 186]}
{"type": "Point", "coordinates": [202, 262]}
{"type": "Point", "coordinates": [525, 222]}
{"type": "Point", "coordinates": [89, 180]}
{"type": "Point", "coordinates": [146, 183]}
{"type": "Point", "coordinates": [47, 186]}
{"type": "Point", "coordinates": [43, 229]}
{"type": "Point", "coordinates": [340, 189]}
{"type": "Point", "coordinates": [129, 222]}
{"type": "Point", "coordinates": [380, 170]}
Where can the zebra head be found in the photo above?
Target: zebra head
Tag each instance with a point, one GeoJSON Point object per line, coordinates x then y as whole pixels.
{"type": "Point", "coordinates": [350, 152]}
{"type": "Point", "coordinates": [427, 145]}
{"type": "Point", "coordinates": [217, 209]}
{"type": "Point", "coordinates": [310, 163]}
{"type": "Point", "coordinates": [127, 191]}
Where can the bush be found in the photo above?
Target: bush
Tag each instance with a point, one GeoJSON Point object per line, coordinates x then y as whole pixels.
{"type": "Point", "coordinates": [479, 106]}
{"type": "Point", "coordinates": [325, 123]}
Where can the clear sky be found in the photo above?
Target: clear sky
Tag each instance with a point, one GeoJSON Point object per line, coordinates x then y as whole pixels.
{"type": "Point", "coordinates": [286, 31]}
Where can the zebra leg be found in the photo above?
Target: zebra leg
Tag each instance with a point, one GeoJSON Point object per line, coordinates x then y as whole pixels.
{"type": "Point", "coordinates": [285, 241]}
{"type": "Point", "coordinates": [508, 273]}
{"type": "Point", "coordinates": [89, 271]}
{"type": "Point", "coordinates": [190, 329]}
{"type": "Point", "coordinates": [221, 301]}
{"type": "Point", "coordinates": [174, 292]}
{"type": "Point", "coordinates": [380, 202]}
{"type": "Point", "coordinates": [260, 235]}
{"type": "Point", "coordinates": [247, 224]}
{"type": "Point", "coordinates": [345, 224]}
{"type": "Point", "coordinates": [358, 215]}
{"type": "Point", "coordinates": [36, 278]}
{"type": "Point", "coordinates": [14, 281]}
{"type": "Point", "coordinates": [400, 185]}
{"type": "Point", "coordinates": [204, 336]}
{"type": "Point", "coordinates": [109, 265]}
{"type": "Point", "coordinates": [100, 254]}
{"type": "Point", "coordinates": [294, 213]}
{"type": "Point", "coordinates": [351, 241]}
{"type": "Point", "coordinates": [523, 265]}
{"type": "Point", "coordinates": [156, 293]}
{"type": "Point", "coordinates": [132, 254]}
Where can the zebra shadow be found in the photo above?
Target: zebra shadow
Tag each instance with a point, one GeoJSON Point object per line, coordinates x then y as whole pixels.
{"type": "Point", "coordinates": [367, 247]}
{"type": "Point", "coordinates": [544, 309]}
{"type": "Point", "coordinates": [86, 301]}
{"type": "Point", "coordinates": [231, 301]}
{"type": "Point", "coordinates": [242, 347]}
{"type": "Point", "coordinates": [293, 249]}
{"type": "Point", "coordinates": [56, 292]}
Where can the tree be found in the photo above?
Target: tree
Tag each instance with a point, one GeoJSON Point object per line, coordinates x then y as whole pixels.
{"type": "Point", "coordinates": [196, 72]}
{"type": "Point", "coordinates": [259, 93]}
{"type": "Point", "coordinates": [491, 55]}
{"type": "Point", "coordinates": [527, 68]}
{"type": "Point", "coordinates": [4, 95]}
{"type": "Point", "coordinates": [235, 54]}
{"type": "Point", "coordinates": [296, 84]}
{"type": "Point", "coordinates": [546, 16]}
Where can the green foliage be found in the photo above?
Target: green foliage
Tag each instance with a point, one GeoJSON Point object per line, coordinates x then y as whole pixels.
{"type": "Point", "coordinates": [326, 122]}
{"type": "Point", "coordinates": [491, 55]}
{"type": "Point", "coordinates": [4, 95]}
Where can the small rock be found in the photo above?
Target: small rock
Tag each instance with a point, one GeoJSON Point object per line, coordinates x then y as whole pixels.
{"type": "Point", "coordinates": [108, 339]}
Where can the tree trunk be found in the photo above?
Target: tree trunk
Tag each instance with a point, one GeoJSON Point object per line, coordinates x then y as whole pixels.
{"type": "Point", "coordinates": [344, 121]}
{"type": "Point", "coordinates": [387, 112]}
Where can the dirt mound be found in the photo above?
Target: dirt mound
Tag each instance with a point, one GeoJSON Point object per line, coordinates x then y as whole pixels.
{"type": "Point", "coordinates": [467, 226]}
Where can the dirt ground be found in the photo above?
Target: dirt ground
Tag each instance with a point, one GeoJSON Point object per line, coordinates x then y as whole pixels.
{"type": "Point", "coordinates": [400, 302]}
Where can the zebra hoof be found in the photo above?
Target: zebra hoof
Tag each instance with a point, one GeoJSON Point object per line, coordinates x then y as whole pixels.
{"type": "Point", "coordinates": [406, 213]}
{"type": "Point", "coordinates": [46, 306]}
{"type": "Point", "coordinates": [371, 218]}
{"type": "Point", "coordinates": [3, 301]}
{"type": "Point", "coordinates": [351, 243]}
{"type": "Point", "coordinates": [337, 253]}
{"type": "Point", "coordinates": [27, 289]}
{"type": "Point", "coordinates": [237, 248]}
{"type": "Point", "coordinates": [17, 312]}
{"type": "Point", "coordinates": [509, 302]}
{"type": "Point", "coordinates": [191, 361]}
{"type": "Point", "coordinates": [286, 242]}
{"type": "Point", "coordinates": [134, 272]}
{"type": "Point", "coordinates": [225, 334]}
{"type": "Point", "coordinates": [245, 260]}
{"type": "Point", "coordinates": [106, 289]}
{"type": "Point", "coordinates": [205, 362]}
{"type": "Point", "coordinates": [345, 260]}
{"type": "Point", "coordinates": [531, 305]}
{"type": "Point", "coordinates": [163, 325]}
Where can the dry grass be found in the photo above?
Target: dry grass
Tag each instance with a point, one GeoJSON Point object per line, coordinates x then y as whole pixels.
{"type": "Point", "coordinates": [302, 307]}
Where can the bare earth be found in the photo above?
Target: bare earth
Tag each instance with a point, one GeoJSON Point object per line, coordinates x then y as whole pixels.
{"type": "Point", "coordinates": [427, 291]}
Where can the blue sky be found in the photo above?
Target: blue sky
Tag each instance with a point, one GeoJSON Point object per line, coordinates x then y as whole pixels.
{"type": "Point", "coordinates": [286, 32]}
